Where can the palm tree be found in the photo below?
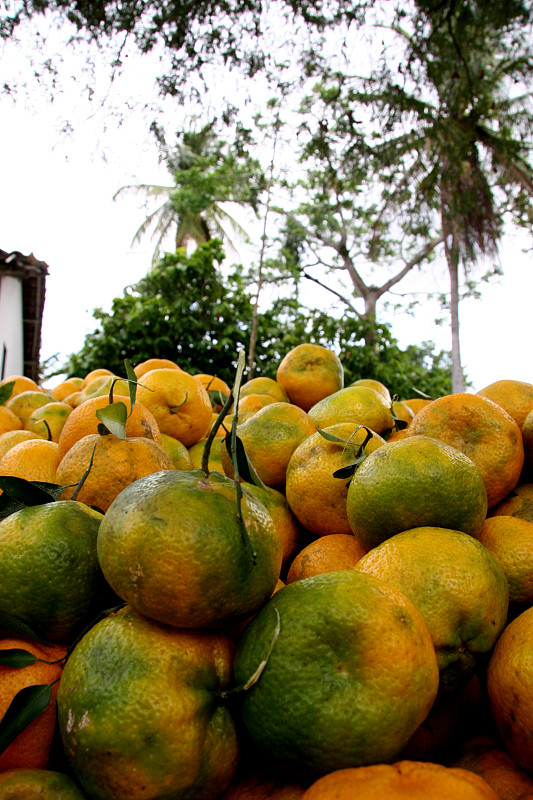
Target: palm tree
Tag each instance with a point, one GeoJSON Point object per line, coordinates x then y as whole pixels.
{"type": "Point", "coordinates": [207, 174]}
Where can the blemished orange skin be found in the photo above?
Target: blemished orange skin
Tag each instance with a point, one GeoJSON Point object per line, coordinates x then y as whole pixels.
{"type": "Point", "coordinates": [24, 403]}
{"type": "Point", "coordinates": [510, 688]}
{"type": "Point", "coordinates": [482, 430]}
{"type": "Point", "coordinates": [515, 397]}
{"type": "Point", "coordinates": [308, 373]}
{"type": "Point", "coordinates": [519, 503]}
{"type": "Point", "coordinates": [404, 780]}
{"type": "Point", "coordinates": [116, 464]}
{"type": "Point", "coordinates": [488, 759]}
{"type": "Point", "coordinates": [326, 554]}
{"type": "Point", "coordinates": [83, 421]}
{"type": "Point", "coordinates": [31, 748]}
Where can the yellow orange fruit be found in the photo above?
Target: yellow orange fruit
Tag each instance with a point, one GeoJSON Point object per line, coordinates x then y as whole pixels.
{"type": "Point", "coordinates": [270, 436]}
{"type": "Point", "coordinates": [116, 463]}
{"type": "Point", "coordinates": [33, 459]}
{"type": "Point", "coordinates": [457, 585]}
{"type": "Point", "coordinates": [359, 405]}
{"type": "Point", "coordinates": [482, 430]}
{"type": "Point", "coordinates": [196, 452]}
{"type": "Point", "coordinates": [141, 713]}
{"type": "Point", "coordinates": [101, 387]}
{"type": "Point", "coordinates": [378, 387]}
{"type": "Point", "coordinates": [251, 403]}
{"type": "Point", "coordinates": [10, 438]}
{"type": "Point", "coordinates": [416, 780]}
{"type": "Point", "coordinates": [31, 748]}
{"type": "Point", "coordinates": [67, 387]}
{"type": "Point", "coordinates": [349, 673]}
{"type": "Point", "coordinates": [83, 421]}
{"type": "Point", "coordinates": [94, 374]}
{"type": "Point", "coordinates": [218, 389]}
{"type": "Point", "coordinates": [515, 397]}
{"type": "Point", "coordinates": [326, 554]}
{"type": "Point", "coordinates": [177, 452]}
{"type": "Point", "coordinates": [315, 495]}
{"type": "Point", "coordinates": [415, 403]}
{"type": "Point", "coordinates": [179, 403]}
{"type": "Point", "coordinates": [518, 503]}
{"type": "Point", "coordinates": [308, 373]}
{"type": "Point", "coordinates": [510, 540]}
{"type": "Point", "coordinates": [154, 363]}
{"type": "Point", "coordinates": [172, 546]}
{"type": "Point", "coordinates": [411, 483]}
{"type": "Point", "coordinates": [263, 385]}
{"type": "Point", "coordinates": [9, 420]}
{"type": "Point", "coordinates": [48, 420]}
{"type": "Point", "coordinates": [510, 688]}
{"type": "Point", "coordinates": [20, 384]}
{"type": "Point", "coordinates": [24, 403]}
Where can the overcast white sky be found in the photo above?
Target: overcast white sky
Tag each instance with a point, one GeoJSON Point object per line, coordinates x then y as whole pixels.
{"type": "Point", "coordinates": [56, 202]}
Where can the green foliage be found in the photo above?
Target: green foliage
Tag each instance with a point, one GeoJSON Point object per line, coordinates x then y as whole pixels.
{"type": "Point", "coordinates": [184, 310]}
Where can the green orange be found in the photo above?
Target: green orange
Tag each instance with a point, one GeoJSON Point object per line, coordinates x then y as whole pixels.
{"type": "Point", "coordinates": [172, 545]}
{"type": "Point", "coordinates": [339, 670]}
{"type": "Point", "coordinates": [411, 483]}
{"type": "Point", "coordinates": [38, 784]}
{"type": "Point", "coordinates": [140, 712]}
{"type": "Point", "coordinates": [359, 405]}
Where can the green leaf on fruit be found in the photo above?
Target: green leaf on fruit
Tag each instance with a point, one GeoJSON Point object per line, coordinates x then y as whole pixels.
{"type": "Point", "coordinates": [11, 627]}
{"type": "Point", "coordinates": [19, 493]}
{"type": "Point", "coordinates": [5, 392]}
{"type": "Point", "coordinates": [113, 417]}
{"type": "Point", "coordinates": [15, 657]}
{"type": "Point", "coordinates": [132, 383]}
{"type": "Point", "coordinates": [25, 707]}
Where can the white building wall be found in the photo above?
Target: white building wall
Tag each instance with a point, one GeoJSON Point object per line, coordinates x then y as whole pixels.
{"type": "Point", "coordinates": [11, 327]}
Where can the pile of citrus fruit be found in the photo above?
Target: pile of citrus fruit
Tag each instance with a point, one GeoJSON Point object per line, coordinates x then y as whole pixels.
{"type": "Point", "coordinates": [278, 588]}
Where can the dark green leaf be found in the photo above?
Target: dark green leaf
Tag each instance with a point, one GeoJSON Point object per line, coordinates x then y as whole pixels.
{"type": "Point", "coordinates": [244, 465]}
{"type": "Point", "coordinates": [5, 392]}
{"type": "Point", "coordinates": [25, 707]}
{"type": "Point", "coordinates": [27, 493]}
{"type": "Point", "coordinates": [114, 418]}
{"type": "Point", "coordinates": [16, 657]}
{"type": "Point", "coordinates": [11, 627]}
{"type": "Point", "coordinates": [132, 383]}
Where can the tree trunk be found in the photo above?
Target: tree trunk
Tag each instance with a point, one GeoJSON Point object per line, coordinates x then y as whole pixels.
{"type": "Point", "coordinates": [452, 258]}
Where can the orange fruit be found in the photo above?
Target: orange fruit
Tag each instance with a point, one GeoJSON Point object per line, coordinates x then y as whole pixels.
{"type": "Point", "coordinates": [251, 403]}
{"type": "Point", "coordinates": [9, 421]}
{"type": "Point", "coordinates": [101, 386]}
{"type": "Point", "coordinates": [326, 554]}
{"type": "Point", "coordinates": [177, 452]}
{"type": "Point", "coordinates": [48, 421]}
{"type": "Point", "coordinates": [510, 688]}
{"type": "Point", "coordinates": [141, 714]}
{"type": "Point", "coordinates": [308, 373]}
{"type": "Point", "coordinates": [415, 403]}
{"type": "Point", "coordinates": [457, 585]}
{"type": "Point", "coordinates": [483, 431]}
{"type": "Point", "coordinates": [115, 464]}
{"type": "Point", "coordinates": [24, 403]}
{"type": "Point", "coordinates": [100, 372]}
{"type": "Point", "coordinates": [518, 503]}
{"type": "Point", "coordinates": [83, 421]}
{"type": "Point", "coordinates": [154, 363]}
{"type": "Point", "coordinates": [411, 483]}
{"type": "Point", "coordinates": [488, 759]}
{"type": "Point", "coordinates": [31, 748]}
{"type": "Point", "coordinates": [179, 403]}
{"type": "Point", "coordinates": [378, 387]}
{"type": "Point", "coordinates": [66, 388]}
{"type": "Point", "coordinates": [359, 405]}
{"type": "Point", "coordinates": [33, 460]}
{"type": "Point", "coordinates": [50, 578]}
{"type": "Point", "coordinates": [38, 784]}
{"type": "Point", "coordinates": [510, 540]}
{"type": "Point", "coordinates": [262, 385]}
{"type": "Point", "coordinates": [270, 436]}
{"type": "Point", "coordinates": [315, 495]}
{"type": "Point", "coordinates": [172, 546]}
{"type": "Point", "coordinates": [515, 397]}
{"type": "Point", "coordinates": [340, 670]}
{"type": "Point", "coordinates": [402, 411]}
{"type": "Point", "coordinates": [416, 780]}
{"type": "Point", "coordinates": [10, 438]}
{"type": "Point", "coordinates": [20, 384]}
